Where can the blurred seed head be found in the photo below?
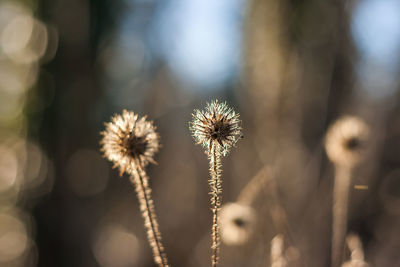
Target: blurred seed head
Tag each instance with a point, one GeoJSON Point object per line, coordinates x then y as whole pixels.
{"type": "Point", "coordinates": [346, 141]}
{"type": "Point", "coordinates": [237, 222]}
{"type": "Point", "coordinates": [128, 141]}
{"type": "Point", "coordinates": [217, 124]}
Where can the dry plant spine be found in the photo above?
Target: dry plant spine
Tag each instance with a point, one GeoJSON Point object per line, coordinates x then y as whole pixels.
{"type": "Point", "coordinates": [130, 143]}
{"type": "Point", "coordinates": [345, 144]}
{"type": "Point", "coordinates": [217, 129]}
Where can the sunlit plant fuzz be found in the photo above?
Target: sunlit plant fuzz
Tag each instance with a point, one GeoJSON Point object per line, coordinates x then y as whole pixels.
{"type": "Point", "coordinates": [217, 129]}
{"type": "Point", "coordinates": [217, 124]}
{"type": "Point", "coordinates": [128, 140]}
{"type": "Point", "coordinates": [131, 143]}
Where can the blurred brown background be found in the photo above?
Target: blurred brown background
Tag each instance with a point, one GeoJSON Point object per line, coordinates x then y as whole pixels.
{"type": "Point", "coordinates": [290, 68]}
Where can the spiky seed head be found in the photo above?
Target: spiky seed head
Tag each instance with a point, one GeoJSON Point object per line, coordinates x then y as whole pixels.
{"type": "Point", "coordinates": [237, 222]}
{"type": "Point", "coordinates": [128, 141]}
{"type": "Point", "coordinates": [346, 141]}
{"type": "Point", "coordinates": [218, 124]}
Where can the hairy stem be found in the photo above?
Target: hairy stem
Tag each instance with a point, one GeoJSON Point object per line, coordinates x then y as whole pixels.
{"type": "Point", "coordinates": [216, 191]}
{"type": "Point", "coordinates": [340, 206]}
{"type": "Point", "coordinates": [141, 182]}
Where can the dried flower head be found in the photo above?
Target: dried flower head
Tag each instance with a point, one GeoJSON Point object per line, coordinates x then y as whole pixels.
{"type": "Point", "coordinates": [217, 124]}
{"type": "Point", "coordinates": [129, 141]}
{"type": "Point", "coordinates": [346, 140]}
{"type": "Point", "coordinates": [237, 223]}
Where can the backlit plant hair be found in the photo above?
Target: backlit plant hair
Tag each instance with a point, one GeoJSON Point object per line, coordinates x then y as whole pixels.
{"type": "Point", "coordinates": [217, 129]}
{"type": "Point", "coordinates": [130, 143]}
{"type": "Point", "coordinates": [345, 144]}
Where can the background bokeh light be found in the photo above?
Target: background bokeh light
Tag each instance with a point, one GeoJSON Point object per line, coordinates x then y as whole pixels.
{"type": "Point", "coordinates": [376, 31]}
{"type": "Point", "coordinates": [290, 68]}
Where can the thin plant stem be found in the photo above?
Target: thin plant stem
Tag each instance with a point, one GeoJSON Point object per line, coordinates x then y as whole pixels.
{"type": "Point", "coordinates": [248, 194]}
{"type": "Point", "coordinates": [340, 207]}
{"type": "Point", "coordinates": [141, 182]}
{"type": "Point", "coordinates": [265, 181]}
{"type": "Point", "coordinates": [216, 191]}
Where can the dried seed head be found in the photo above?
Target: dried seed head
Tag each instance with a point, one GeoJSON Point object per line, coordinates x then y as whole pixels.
{"type": "Point", "coordinates": [237, 222]}
{"type": "Point", "coordinates": [217, 124]}
{"type": "Point", "coordinates": [346, 140]}
{"type": "Point", "coordinates": [128, 141]}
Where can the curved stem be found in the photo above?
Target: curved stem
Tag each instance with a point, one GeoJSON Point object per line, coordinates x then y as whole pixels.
{"type": "Point", "coordinates": [340, 206]}
{"type": "Point", "coordinates": [140, 180]}
{"type": "Point", "coordinates": [252, 188]}
{"type": "Point", "coordinates": [264, 180]}
{"type": "Point", "coordinates": [216, 191]}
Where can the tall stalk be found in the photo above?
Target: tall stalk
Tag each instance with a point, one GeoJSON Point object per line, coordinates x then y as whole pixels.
{"type": "Point", "coordinates": [217, 129]}
{"type": "Point", "coordinates": [345, 143]}
{"type": "Point", "coordinates": [131, 143]}
{"type": "Point", "coordinates": [140, 180]}
{"type": "Point", "coordinates": [216, 191]}
{"type": "Point", "coordinates": [339, 210]}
